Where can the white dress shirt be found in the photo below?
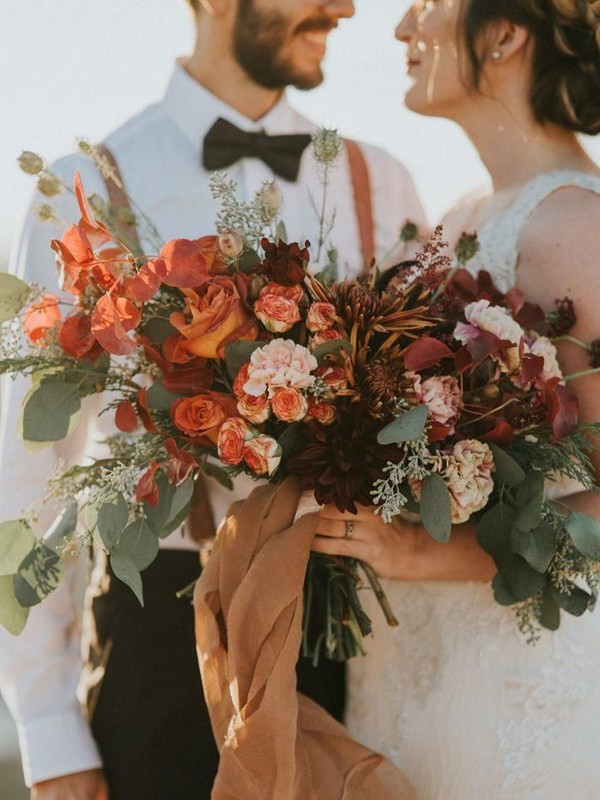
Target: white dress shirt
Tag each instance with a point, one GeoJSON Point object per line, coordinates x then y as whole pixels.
{"type": "Point", "coordinates": [159, 154]}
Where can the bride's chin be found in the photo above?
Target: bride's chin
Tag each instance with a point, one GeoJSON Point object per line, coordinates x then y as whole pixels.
{"type": "Point", "coordinates": [414, 101]}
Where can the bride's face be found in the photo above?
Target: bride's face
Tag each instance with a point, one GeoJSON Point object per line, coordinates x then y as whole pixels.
{"type": "Point", "coordinates": [430, 29]}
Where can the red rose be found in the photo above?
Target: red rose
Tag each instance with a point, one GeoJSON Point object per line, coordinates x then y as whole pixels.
{"type": "Point", "coordinates": [334, 377]}
{"type": "Point", "coordinates": [325, 336]}
{"type": "Point", "coordinates": [240, 380]}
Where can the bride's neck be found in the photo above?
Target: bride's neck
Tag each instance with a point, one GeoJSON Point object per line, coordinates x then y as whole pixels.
{"type": "Point", "coordinates": [515, 148]}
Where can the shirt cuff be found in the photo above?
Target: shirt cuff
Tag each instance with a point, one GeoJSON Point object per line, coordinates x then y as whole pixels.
{"type": "Point", "coordinates": [57, 745]}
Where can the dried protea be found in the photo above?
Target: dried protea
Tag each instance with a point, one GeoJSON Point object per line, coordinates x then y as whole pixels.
{"type": "Point", "coordinates": [523, 415]}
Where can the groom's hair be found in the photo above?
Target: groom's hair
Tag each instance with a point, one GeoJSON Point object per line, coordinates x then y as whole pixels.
{"type": "Point", "coordinates": [565, 78]}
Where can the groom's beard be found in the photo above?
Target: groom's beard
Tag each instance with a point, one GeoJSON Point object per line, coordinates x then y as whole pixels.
{"type": "Point", "coordinates": [260, 38]}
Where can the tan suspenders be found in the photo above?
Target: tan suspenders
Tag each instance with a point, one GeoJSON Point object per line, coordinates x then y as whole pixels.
{"type": "Point", "coordinates": [200, 523]}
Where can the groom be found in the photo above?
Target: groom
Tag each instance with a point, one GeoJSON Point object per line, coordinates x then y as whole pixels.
{"type": "Point", "coordinates": [150, 737]}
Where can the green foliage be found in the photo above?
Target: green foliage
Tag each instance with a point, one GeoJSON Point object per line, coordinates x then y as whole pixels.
{"type": "Point", "coordinates": [407, 427]}
{"type": "Point", "coordinates": [508, 471]}
{"type": "Point", "coordinates": [38, 575]}
{"type": "Point", "coordinates": [13, 615]}
{"type": "Point", "coordinates": [159, 398]}
{"type": "Point", "coordinates": [16, 542]}
{"type": "Point", "coordinates": [172, 508]}
{"type": "Point", "coordinates": [517, 581]}
{"type": "Point", "coordinates": [435, 508]}
{"type": "Point", "coordinates": [13, 295]}
{"type": "Point", "coordinates": [49, 410]}
{"type": "Point", "coordinates": [220, 474]}
{"type": "Point", "coordinates": [107, 522]}
{"type": "Point", "coordinates": [238, 353]}
{"type": "Point", "coordinates": [584, 531]}
{"type": "Point", "coordinates": [330, 348]}
{"type": "Point", "coordinates": [139, 543]}
{"type": "Point", "coordinates": [126, 570]}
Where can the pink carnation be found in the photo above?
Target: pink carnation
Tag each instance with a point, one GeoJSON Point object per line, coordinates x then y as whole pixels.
{"type": "Point", "coordinates": [467, 471]}
{"type": "Point", "coordinates": [279, 364]}
{"type": "Point", "coordinates": [542, 346]}
{"type": "Point", "coordinates": [441, 394]}
{"type": "Point", "coordinates": [481, 316]}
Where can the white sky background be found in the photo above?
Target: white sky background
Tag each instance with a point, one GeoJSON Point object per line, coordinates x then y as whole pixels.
{"type": "Point", "coordinates": [73, 68]}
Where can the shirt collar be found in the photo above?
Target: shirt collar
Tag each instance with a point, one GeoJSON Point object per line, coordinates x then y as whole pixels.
{"type": "Point", "coordinates": [195, 110]}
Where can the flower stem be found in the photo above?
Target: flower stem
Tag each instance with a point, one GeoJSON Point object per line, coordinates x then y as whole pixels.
{"type": "Point", "coordinates": [380, 594]}
{"type": "Point", "coordinates": [574, 340]}
{"type": "Point", "coordinates": [583, 374]}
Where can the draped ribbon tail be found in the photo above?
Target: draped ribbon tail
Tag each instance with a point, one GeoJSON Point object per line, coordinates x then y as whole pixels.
{"type": "Point", "coordinates": [275, 744]}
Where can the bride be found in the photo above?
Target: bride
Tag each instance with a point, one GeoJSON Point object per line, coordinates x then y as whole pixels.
{"type": "Point", "coordinates": [454, 695]}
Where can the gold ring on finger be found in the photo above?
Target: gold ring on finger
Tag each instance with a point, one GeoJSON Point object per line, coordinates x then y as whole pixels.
{"type": "Point", "coordinates": [349, 529]}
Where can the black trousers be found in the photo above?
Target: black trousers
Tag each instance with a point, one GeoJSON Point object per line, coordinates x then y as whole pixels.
{"type": "Point", "coordinates": [148, 713]}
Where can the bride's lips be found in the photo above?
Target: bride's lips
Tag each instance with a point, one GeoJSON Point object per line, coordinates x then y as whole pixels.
{"type": "Point", "coordinates": [411, 63]}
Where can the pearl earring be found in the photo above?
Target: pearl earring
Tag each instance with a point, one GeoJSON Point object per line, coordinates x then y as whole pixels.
{"type": "Point", "coordinates": [496, 55]}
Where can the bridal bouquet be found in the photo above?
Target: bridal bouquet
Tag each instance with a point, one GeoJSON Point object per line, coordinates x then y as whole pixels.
{"type": "Point", "coordinates": [421, 390]}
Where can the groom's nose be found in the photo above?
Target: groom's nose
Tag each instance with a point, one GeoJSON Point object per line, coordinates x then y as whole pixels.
{"type": "Point", "coordinates": [406, 27]}
{"type": "Point", "coordinates": [339, 8]}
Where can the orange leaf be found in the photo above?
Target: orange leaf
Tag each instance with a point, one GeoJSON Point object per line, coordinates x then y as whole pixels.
{"type": "Point", "coordinates": [147, 489]}
{"type": "Point", "coordinates": [126, 419]}
{"type": "Point", "coordinates": [111, 320]}
{"type": "Point", "coordinates": [40, 317]}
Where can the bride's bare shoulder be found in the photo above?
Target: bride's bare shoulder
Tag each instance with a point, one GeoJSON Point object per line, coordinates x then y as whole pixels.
{"type": "Point", "coordinates": [460, 217]}
{"type": "Point", "coordinates": [560, 242]}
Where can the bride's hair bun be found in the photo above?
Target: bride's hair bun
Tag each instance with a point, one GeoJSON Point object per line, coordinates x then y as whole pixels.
{"type": "Point", "coordinates": [565, 80]}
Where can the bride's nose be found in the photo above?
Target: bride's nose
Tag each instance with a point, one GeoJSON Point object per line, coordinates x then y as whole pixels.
{"type": "Point", "coordinates": [406, 27]}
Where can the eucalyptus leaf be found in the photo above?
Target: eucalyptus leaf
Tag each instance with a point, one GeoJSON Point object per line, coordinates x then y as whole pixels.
{"type": "Point", "coordinates": [158, 330]}
{"type": "Point", "coordinates": [108, 520]}
{"type": "Point", "coordinates": [584, 531]}
{"type": "Point", "coordinates": [248, 260]}
{"type": "Point", "coordinates": [530, 501]}
{"type": "Point", "coordinates": [494, 532]}
{"type": "Point", "coordinates": [36, 447]}
{"type": "Point", "coordinates": [281, 232]}
{"type": "Point", "coordinates": [330, 348]}
{"type": "Point", "coordinates": [13, 295]}
{"type": "Point", "coordinates": [38, 576]}
{"type": "Point", "coordinates": [550, 611]}
{"type": "Point", "coordinates": [435, 508]}
{"type": "Point", "coordinates": [508, 471]}
{"type": "Point", "coordinates": [218, 473]}
{"type": "Point", "coordinates": [172, 507]}
{"type": "Point", "coordinates": [159, 398]}
{"type": "Point", "coordinates": [12, 614]}
{"type": "Point", "coordinates": [517, 582]}
{"type": "Point", "coordinates": [17, 540]}
{"type": "Point", "coordinates": [139, 542]}
{"type": "Point", "coordinates": [125, 569]}
{"type": "Point", "coordinates": [576, 602]}
{"type": "Point", "coordinates": [48, 411]}
{"type": "Point", "coordinates": [292, 440]}
{"type": "Point", "coordinates": [238, 353]}
{"type": "Point", "coordinates": [537, 546]}
{"type": "Point", "coordinates": [407, 427]}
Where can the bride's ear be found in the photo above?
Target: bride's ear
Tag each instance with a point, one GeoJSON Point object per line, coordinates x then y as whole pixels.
{"type": "Point", "coordinates": [509, 40]}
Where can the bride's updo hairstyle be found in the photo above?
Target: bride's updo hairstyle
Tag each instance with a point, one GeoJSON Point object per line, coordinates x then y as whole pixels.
{"type": "Point", "coordinates": [565, 80]}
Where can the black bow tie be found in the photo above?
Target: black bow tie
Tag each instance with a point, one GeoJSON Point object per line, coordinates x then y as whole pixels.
{"type": "Point", "coordinates": [225, 144]}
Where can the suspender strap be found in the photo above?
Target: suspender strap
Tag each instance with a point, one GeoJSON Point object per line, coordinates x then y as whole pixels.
{"type": "Point", "coordinates": [200, 524]}
{"type": "Point", "coordinates": [117, 197]}
{"type": "Point", "coordinates": [363, 199]}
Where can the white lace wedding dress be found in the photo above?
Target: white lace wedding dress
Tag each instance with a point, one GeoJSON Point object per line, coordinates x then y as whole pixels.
{"type": "Point", "coordinates": [454, 695]}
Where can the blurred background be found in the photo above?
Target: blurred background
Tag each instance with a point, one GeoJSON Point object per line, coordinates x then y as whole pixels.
{"type": "Point", "coordinates": [74, 69]}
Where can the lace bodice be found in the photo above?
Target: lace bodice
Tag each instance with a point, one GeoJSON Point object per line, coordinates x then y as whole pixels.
{"type": "Point", "coordinates": [499, 237]}
{"type": "Point", "coordinates": [454, 695]}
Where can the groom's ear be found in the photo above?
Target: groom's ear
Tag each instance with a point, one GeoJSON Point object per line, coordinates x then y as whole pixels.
{"type": "Point", "coordinates": [510, 40]}
{"type": "Point", "coordinates": [216, 8]}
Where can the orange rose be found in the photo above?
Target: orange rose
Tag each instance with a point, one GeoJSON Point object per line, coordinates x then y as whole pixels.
{"type": "Point", "coordinates": [254, 409]}
{"type": "Point", "coordinates": [203, 414]}
{"type": "Point", "coordinates": [277, 312]}
{"type": "Point", "coordinates": [325, 336]}
{"type": "Point", "coordinates": [233, 434]}
{"type": "Point", "coordinates": [214, 315]}
{"type": "Point", "coordinates": [41, 317]}
{"type": "Point", "coordinates": [320, 317]}
{"type": "Point", "coordinates": [321, 411]}
{"type": "Point", "coordinates": [240, 380]}
{"type": "Point", "coordinates": [289, 405]}
{"type": "Point", "coordinates": [334, 377]}
{"type": "Point", "coordinates": [263, 455]}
